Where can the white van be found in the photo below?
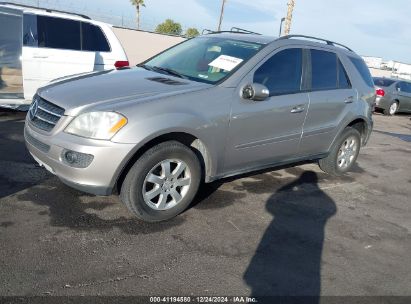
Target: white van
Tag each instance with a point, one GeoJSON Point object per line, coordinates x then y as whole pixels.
{"type": "Point", "coordinates": [39, 45]}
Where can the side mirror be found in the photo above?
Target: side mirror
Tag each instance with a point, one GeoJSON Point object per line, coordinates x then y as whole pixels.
{"type": "Point", "coordinates": [256, 92]}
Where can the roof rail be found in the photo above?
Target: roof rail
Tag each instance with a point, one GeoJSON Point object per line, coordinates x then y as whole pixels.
{"type": "Point", "coordinates": [240, 30]}
{"type": "Point", "coordinates": [236, 30]}
{"type": "Point", "coordinates": [45, 9]}
{"type": "Point", "coordinates": [315, 38]}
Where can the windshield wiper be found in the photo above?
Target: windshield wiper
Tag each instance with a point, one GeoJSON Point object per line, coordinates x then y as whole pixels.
{"type": "Point", "coordinates": [161, 69]}
{"type": "Point", "coordinates": [169, 71]}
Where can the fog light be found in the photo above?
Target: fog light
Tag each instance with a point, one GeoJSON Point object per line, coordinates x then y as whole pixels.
{"type": "Point", "coordinates": [76, 159]}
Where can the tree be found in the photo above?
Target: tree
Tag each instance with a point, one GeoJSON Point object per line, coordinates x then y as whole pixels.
{"type": "Point", "coordinates": [138, 4]}
{"type": "Point", "coordinates": [192, 32]}
{"type": "Point", "coordinates": [169, 27]}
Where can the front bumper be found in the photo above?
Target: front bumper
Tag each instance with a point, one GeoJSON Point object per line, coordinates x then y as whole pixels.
{"type": "Point", "coordinates": [98, 178]}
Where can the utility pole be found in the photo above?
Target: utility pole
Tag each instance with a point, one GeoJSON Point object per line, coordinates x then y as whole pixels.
{"type": "Point", "coordinates": [289, 18]}
{"type": "Point", "coordinates": [221, 15]}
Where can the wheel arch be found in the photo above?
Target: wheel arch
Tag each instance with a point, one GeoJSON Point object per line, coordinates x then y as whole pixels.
{"type": "Point", "coordinates": [187, 139]}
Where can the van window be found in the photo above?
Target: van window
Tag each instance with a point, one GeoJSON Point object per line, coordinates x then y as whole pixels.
{"type": "Point", "coordinates": [281, 74]}
{"type": "Point", "coordinates": [343, 80]}
{"type": "Point", "coordinates": [30, 36]}
{"type": "Point", "coordinates": [363, 70]}
{"type": "Point", "coordinates": [324, 70]}
{"type": "Point", "coordinates": [93, 38]}
{"type": "Point", "coordinates": [58, 33]}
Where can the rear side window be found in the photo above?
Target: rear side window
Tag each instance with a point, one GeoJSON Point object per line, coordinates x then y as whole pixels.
{"type": "Point", "coordinates": [363, 70]}
{"type": "Point", "coordinates": [58, 33]}
{"type": "Point", "coordinates": [30, 36]}
{"type": "Point", "coordinates": [281, 74]}
{"type": "Point", "coordinates": [343, 80]}
{"type": "Point", "coordinates": [383, 82]}
{"type": "Point", "coordinates": [324, 70]}
{"type": "Point", "coordinates": [93, 38]}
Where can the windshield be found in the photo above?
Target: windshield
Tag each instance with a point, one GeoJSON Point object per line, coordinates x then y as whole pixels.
{"type": "Point", "coordinates": [204, 59]}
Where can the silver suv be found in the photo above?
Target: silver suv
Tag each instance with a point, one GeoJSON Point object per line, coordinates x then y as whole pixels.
{"type": "Point", "coordinates": [211, 107]}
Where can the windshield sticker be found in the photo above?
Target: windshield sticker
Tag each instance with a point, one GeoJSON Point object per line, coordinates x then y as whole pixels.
{"type": "Point", "coordinates": [203, 76]}
{"type": "Point", "coordinates": [226, 63]}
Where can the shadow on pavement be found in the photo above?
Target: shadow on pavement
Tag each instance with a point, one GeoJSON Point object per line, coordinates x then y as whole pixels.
{"type": "Point", "coordinates": [18, 169]}
{"type": "Point", "coordinates": [403, 137]}
{"type": "Point", "coordinates": [287, 261]}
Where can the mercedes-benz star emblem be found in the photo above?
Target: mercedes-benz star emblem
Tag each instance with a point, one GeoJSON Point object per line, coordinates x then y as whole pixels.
{"type": "Point", "coordinates": [33, 108]}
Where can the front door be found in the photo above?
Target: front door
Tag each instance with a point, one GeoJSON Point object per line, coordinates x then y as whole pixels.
{"type": "Point", "coordinates": [266, 132]}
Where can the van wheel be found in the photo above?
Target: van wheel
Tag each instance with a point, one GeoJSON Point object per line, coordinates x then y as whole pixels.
{"type": "Point", "coordinates": [343, 154]}
{"type": "Point", "coordinates": [392, 109]}
{"type": "Point", "coordinates": [162, 183]}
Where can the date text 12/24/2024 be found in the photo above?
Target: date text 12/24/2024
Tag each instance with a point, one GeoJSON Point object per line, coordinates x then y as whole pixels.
{"type": "Point", "coordinates": [203, 300]}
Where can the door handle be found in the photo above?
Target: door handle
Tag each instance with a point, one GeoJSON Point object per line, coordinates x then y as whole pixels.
{"type": "Point", "coordinates": [40, 56]}
{"type": "Point", "coordinates": [349, 99]}
{"type": "Point", "coordinates": [298, 109]}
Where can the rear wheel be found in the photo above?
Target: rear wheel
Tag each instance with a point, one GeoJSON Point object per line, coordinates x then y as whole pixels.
{"type": "Point", "coordinates": [343, 154]}
{"type": "Point", "coordinates": [392, 109]}
{"type": "Point", "coordinates": [162, 183]}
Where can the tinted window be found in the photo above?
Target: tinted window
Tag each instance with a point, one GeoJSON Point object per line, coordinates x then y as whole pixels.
{"type": "Point", "coordinates": [30, 37]}
{"type": "Point", "coordinates": [343, 81]}
{"type": "Point", "coordinates": [58, 33]}
{"type": "Point", "coordinates": [383, 82]}
{"type": "Point", "coordinates": [363, 70]}
{"type": "Point", "coordinates": [281, 74]}
{"type": "Point", "coordinates": [93, 38]}
{"type": "Point", "coordinates": [324, 70]}
{"type": "Point", "coordinates": [405, 87]}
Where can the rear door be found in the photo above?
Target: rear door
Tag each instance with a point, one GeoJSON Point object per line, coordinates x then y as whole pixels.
{"type": "Point", "coordinates": [267, 132]}
{"type": "Point", "coordinates": [11, 79]}
{"type": "Point", "coordinates": [52, 49]}
{"type": "Point", "coordinates": [331, 98]}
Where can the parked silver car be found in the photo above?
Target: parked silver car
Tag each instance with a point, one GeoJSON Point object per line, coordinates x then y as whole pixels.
{"type": "Point", "coordinates": [211, 107]}
{"type": "Point", "coordinates": [393, 95]}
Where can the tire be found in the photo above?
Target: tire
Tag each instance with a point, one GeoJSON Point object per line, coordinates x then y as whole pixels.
{"type": "Point", "coordinates": [392, 109]}
{"type": "Point", "coordinates": [333, 163]}
{"type": "Point", "coordinates": [137, 188]}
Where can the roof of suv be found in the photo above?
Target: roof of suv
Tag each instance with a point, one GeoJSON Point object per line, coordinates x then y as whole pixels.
{"type": "Point", "coordinates": [292, 39]}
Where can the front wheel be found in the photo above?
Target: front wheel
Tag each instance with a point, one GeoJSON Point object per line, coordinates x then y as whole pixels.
{"type": "Point", "coordinates": [162, 183]}
{"type": "Point", "coordinates": [343, 154]}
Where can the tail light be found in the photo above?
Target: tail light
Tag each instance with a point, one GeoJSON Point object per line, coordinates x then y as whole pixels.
{"type": "Point", "coordinates": [121, 64]}
{"type": "Point", "coordinates": [380, 92]}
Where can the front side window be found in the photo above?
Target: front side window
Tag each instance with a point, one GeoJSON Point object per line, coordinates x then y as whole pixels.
{"type": "Point", "coordinates": [324, 70]}
{"type": "Point", "coordinates": [281, 74]}
{"type": "Point", "coordinates": [204, 59]}
{"type": "Point", "coordinates": [58, 33]}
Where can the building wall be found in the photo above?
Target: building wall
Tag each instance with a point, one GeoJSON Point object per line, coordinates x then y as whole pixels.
{"type": "Point", "coordinates": [140, 45]}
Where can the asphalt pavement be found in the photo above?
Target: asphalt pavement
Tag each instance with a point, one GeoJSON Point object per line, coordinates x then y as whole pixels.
{"type": "Point", "coordinates": [288, 231]}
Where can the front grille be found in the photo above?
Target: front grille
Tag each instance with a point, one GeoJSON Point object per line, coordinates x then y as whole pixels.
{"type": "Point", "coordinates": [37, 144]}
{"type": "Point", "coordinates": [44, 115]}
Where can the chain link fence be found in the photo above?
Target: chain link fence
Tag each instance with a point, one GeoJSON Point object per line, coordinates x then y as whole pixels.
{"type": "Point", "coordinates": [126, 20]}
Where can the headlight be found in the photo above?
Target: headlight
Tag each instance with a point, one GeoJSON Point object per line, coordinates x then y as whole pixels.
{"type": "Point", "coordinates": [97, 125]}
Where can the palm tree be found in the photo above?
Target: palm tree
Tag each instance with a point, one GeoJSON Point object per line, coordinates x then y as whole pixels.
{"type": "Point", "coordinates": [138, 4]}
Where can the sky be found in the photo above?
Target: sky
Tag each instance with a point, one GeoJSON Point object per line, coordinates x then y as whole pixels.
{"type": "Point", "coordinates": [371, 27]}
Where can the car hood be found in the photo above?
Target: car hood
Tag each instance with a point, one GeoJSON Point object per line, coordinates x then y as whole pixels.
{"type": "Point", "coordinates": [78, 92]}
